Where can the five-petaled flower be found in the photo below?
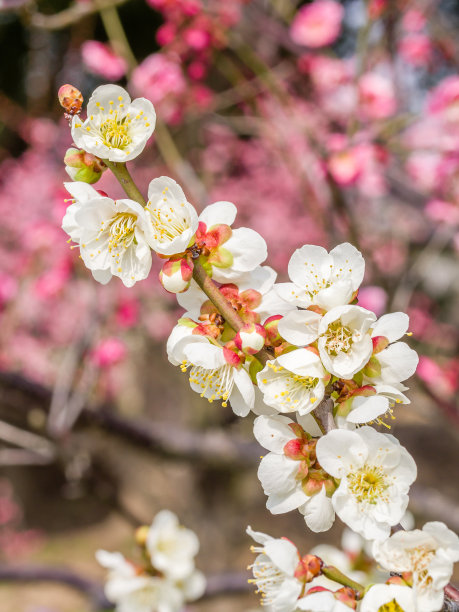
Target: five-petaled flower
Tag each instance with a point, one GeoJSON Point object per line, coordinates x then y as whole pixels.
{"type": "Point", "coordinates": [115, 128]}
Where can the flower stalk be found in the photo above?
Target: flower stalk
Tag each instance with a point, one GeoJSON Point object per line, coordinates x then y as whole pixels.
{"type": "Point", "coordinates": [126, 181]}
{"type": "Point", "coordinates": [334, 574]}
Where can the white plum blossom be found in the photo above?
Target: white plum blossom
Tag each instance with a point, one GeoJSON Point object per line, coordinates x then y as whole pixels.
{"type": "Point", "coordinates": [173, 219]}
{"type": "Point", "coordinates": [389, 597]}
{"type": "Point", "coordinates": [293, 382]}
{"type": "Point", "coordinates": [171, 546]}
{"type": "Point", "coordinates": [134, 591]}
{"type": "Point", "coordinates": [429, 554]}
{"type": "Point", "coordinates": [211, 375]}
{"type": "Point", "coordinates": [274, 571]}
{"type": "Point", "coordinates": [323, 279]}
{"type": "Point", "coordinates": [282, 477]}
{"type": "Point", "coordinates": [115, 129]}
{"type": "Point", "coordinates": [343, 335]}
{"type": "Point", "coordinates": [376, 473]}
{"type": "Point", "coordinates": [111, 235]}
{"type": "Point", "coordinates": [231, 252]}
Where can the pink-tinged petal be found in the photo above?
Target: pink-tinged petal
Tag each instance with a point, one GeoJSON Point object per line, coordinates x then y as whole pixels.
{"type": "Point", "coordinates": [393, 326]}
{"type": "Point", "coordinates": [217, 213]}
{"type": "Point", "coordinates": [300, 327]}
{"type": "Point", "coordinates": [218, 235]}
{"type": "Point", "coordinates": [379, 344]}
{"type": "Point", "coordinates": [273, 432]}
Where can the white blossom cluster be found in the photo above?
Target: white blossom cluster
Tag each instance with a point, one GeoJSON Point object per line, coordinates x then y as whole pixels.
{"type": "Point", "coordinates": [284, 351]}
{"type": "Point", "coordinates": [167, 580]}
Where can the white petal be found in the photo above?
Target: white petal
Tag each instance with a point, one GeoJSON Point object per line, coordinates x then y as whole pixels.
{"type": "Point", "coordinates": [318, 512]}
{"type": "Point", "coordinates": [300, 327]}
{"type": "Point", "coordinates": [218, 213]}
{"type": "Point", "coordinates": [273, 432]}
{"type": "Point", "coordinates": [398, 362]}
{"type": "Point", "coordinates": [277, 473]}
{"type": "Point", "coordinates": [393, 326]}
{"type": "Point", "coordinates": [366, 409]}
{"type": "Point", "coordinates": [338, 449]}
{"type": "Point", "coordinates": [308, 261]}
{"type": "Point", "coordinates": [283, 554]}
{"type": "Point", "coordinates": [248, 249]}
{"type": "Point", "coordinates": [278, 503]}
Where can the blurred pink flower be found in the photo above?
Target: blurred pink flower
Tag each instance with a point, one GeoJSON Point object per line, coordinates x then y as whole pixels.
{"type": "Point", "coordinates": [345, 166]}
{"type": "Point", "coordinates": [416, 49]}
{"type": "Point", "coordinates": [443, 379]}
{"type": "Point", "coordinates": [373, 298]}
{"type": "Point", "coordinates": [53, 280]}
{"type": "Point", "coordinates": [100, 59]}
{"type": "Point", "coordinates": [158, 77]}
{"type": "Point", "coordinates": [413, 20]}
{"type": "Point", "coordinates": [441, 211]}
{"type": "Point", "coordinates": [197, 38]}
{"type": "Point", "coordinates": [317, 24]}
{"type": "Point", "coordinates": [108, 352]}
{"type": "Point", "coordinates": [377, 96]}
{"type": "Point", "coordinates": [8, 288]}
{"type": "Point", "coordinates": [127, 314]}
{"type": "Point", "coordinates": [444, 98]}
{"type": "Point", "coordinates": [423, 168]}
{"type": "Point", "coordinates": [166, 34]}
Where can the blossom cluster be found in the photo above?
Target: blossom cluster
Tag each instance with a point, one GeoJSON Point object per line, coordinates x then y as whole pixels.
{"type": "Point", "coordinates": [166, 576]}
{"type": "Point", "coordinates": [302, 348]}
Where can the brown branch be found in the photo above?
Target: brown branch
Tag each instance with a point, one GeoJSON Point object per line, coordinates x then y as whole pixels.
{"type": "Point", "coordinates": [212, 447]}
{"type": "Point", "coordinates": [71, 15]}
{"type": "Point", "coordinates": [228, 583]}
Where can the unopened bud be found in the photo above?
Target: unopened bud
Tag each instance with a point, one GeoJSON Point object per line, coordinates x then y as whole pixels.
{"type": "Point", "coordinates": [308, 568]}
{"type": "Point", "coordinates": [71, 99]}
{"type": "Point", "coordinates": [232, 354]}
{"type": "Point", "coordinates": [141, 535]}
{"type": "Point", "coordinates": [347, 596]}
{"type": "Point", "coordinates": [82, 166]}
{"type": "Point", "coordinates": [272, 334]}
{"type": "Point", "coordinates": [251, 338]}
{"type": "Point", "coordinates": [404, 579]}
{"type": "Point", "coordinates": [176, 275]}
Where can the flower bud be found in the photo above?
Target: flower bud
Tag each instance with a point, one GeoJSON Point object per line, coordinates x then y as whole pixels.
{"type": "Point", "coordinates": [71, 99]}
{"type": "Point", "coordinates": [82, 166]}
{"type": "Point", "coordinates": [272, 334]}
{"type": "Point", "coordinates": [308, 568]}
{"type": "Point", "coordinates": [232, 354]}
{"type": "Point", "coordinates": [347, 596]}
{"type": "Point", "coordinates": [176, 275]}
{"type": "Point", "coordinates": [251, 338]}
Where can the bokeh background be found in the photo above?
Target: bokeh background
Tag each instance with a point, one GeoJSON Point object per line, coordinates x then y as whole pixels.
{"type": "Point", "coordinates": [323, 122]}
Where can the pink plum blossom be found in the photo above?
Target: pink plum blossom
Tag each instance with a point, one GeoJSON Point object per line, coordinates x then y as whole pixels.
{"type": "Point", "coordinates": [100, 59]}
{"type": "Point", "coordinates": [377, 96]}
{"type": "Point", "coordinates": [317, 24]}
{"type": "Point", "coordinates": [108, 352]}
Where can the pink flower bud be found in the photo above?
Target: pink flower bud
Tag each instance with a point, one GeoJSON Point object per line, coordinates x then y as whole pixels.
{"type": "Point", "coordinates": [108, 352]}
{"type": "Point", "coordinates": [272, 333]}
{"type": "Point", "coordinates": [71, 99]}
{"type": "Point", "coordinates": [317, 24]}
{"type": "Point", "coordinates": [232, 354]}
{"type": "Point", "coordinates": [82, 166]}
{"type": "Point", "coordinates": [176, 275]}
{"type": "Point", "coordinates": [308, 568]}
{"type": "Point", "coordinates": [251, 338]}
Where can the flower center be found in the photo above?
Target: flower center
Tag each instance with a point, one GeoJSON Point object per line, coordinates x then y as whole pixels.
{"type": "Point", "coordinates": [339, 338]}
{"type": "Point", "coordinates": [168, 223]}
{"type": "Point", "coordinates": [115, 133]}
{"type": "Point", "coordinates": [368, 484]}
{"type": "Point", "coordinates": [215, 384]}
{"type": "Point", "coordinates": [121, 230]}
{"type": "Point", "coordinates": [420, 559]}
{"type": "Point", "coordinates": [295, 388]}
{"type": "Point", "coordinates": [391, 606]}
